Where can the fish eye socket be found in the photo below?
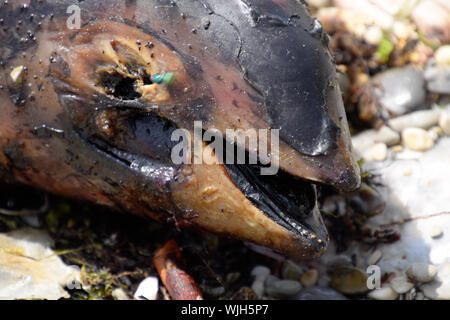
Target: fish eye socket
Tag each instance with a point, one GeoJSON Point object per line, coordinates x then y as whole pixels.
{"type": "Point", "coordinates": [129, 72]}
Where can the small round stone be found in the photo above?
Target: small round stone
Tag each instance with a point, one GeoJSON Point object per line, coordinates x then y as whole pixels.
{"type": "Point", "coordinates": [442, 56]}
{"type": "Point", "coordinates": [384, 293]}
{"type": "Point", "coordinates": [291, 270]}
{"type": "Point", "coordinates": [283, 289]}
{"type": "Point", "coordinates": [388, 136]}
{"type": "Point", "coordinates": [309, 278]}
{"type": "Point", "coordinates": [374, 257]}
{"type": "Point", "coordinates": [378, 152]}
{"type": "Point", "coordinates": [401, 284]}
{"type": "Point", "coordinates": [444, 122]}
{"type": "Point", "coordinates": [260, 272]}
{"type": "Point", "coordinates": [417, 139]}
{"type": "Point", "coordinates": [258, 287]}
{"type": "Point", "coordinates": [436, 231]}
{"type": "Point", "coordinates": [319, 293]}
{"type": "Point", "coordinates": [349, 281]}
{"type": "Point", "coordinates": [119, 294]}
{"type": "Point", "coordinates": [422, 272]}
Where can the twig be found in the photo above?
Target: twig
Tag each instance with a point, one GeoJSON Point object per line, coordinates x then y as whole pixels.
{"type": "Point", "coordinates": [179, 284]}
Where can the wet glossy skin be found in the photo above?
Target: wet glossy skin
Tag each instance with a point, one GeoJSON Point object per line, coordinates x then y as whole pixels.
{"type": "Point", "coordinates": [238, 65]}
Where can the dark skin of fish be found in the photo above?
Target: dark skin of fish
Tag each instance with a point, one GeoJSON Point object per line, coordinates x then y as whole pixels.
{"type": "Point", "coordinates": [81, 117]}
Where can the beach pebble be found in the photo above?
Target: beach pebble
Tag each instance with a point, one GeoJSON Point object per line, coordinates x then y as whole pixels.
{"type": "Point", "coordinates": [422, 272]}
{"type": "Point", "coordinates": [147, 289]}
{"type": "Point", "coordinates": [283, 289]}
{"type": "Point", "coordinates": [309, 278]}
{"type": "Point", "coordinates": [401, 284]}
{"type": "Point", "coordinates": [319, 293]}
{"type": "Point", "coordinates": [424, 119]}
{"type": "Point", "coordinates": [374, 257]}
{"type": "Point", "coordinates": [400, 90]}
{"type": "Point", "coordinates": [444, 122]}
{"type": "Point", "coordinates": [387, 135]}
{"type": "Point", "coordinates": [378, 152]}
{"type": "Point", "coordinates": [373, 34]}
{"type": "Point", "coordinates": [442, 56]}
{"type": "Point", "coordinates": [437, 77]}
{"type": "Point", "coordinates": [119, 294]}
{"type": "Point", "coordinates": [439, 289]}
{"type": "Point", "coordinates": [433, 20]}
{"type": "Point", "coordinates": [384, 293]}
{"type": "Point", "coordinates": [260, 273]}
{"type": "Point", "coordinates": [291, 270]}
{"type": "Point", "coordinates": [417, 139]}
{"type": "Point", "coordinates": [436, 231]}
{"type": "Point", "coordinates": [349, 281]}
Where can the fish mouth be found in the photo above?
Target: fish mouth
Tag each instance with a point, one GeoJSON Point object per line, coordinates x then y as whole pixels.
{"type": "Point", "coordinates": [288, 200]}
{"type": "Point", "coordinates": [285, 202]}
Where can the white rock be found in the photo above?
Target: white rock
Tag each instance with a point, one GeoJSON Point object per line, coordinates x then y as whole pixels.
{"type": "Point", "coordinates": [444, 122]}
{"type": "Point", "coordinates": [422, 272]}
{"type": "Point", "coordinates": [258, 287]}
{"type": "Point", "coordinates": [436, 231]}
{"type": "Point", "coordinates": [440, 288]}
{"type": "Point", "coordinates": [384, 293]}
{"type": "Point", "coordinates": [401, 284]}
{"type": "Point", "coordinates": [378, 152]}
{"type": "Point", "coordinates": [260, 272]}
{"type": "Point", "coordinates": [442, 56]}
{"type": "Point", "coordinates": [424, 119]}
{"type": "Point", "coordinates": [119, 294]}
{"type": "Point", "coordinates": [374, 257]}
{"type": "Point", "coordinates": [147, 289]}
{"type": "Point", "coordinates": [29, 268]}
{"type": "Point", "coordinates": [417, 139]}
{"type": "Point", "coordinates": [387, 135]}
{"type": "Point", "coordinates": [373, 34]}
{"type": "Point", "coordinates": [362, 142]}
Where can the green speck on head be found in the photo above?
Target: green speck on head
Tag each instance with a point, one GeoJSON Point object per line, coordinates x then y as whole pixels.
{"type": "Point", "coordinates": [166, 78]}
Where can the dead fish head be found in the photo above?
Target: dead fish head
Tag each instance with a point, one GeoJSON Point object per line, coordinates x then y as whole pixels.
{"type": "Point", "coordinates": [137, 74]}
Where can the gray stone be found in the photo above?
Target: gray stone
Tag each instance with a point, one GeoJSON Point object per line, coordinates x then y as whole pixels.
{"type": "Point", "coordinates": [283, 289]}
{"type": "Point", "coordinates": [260, 272]}
{"type": "Point", "coordinates": [320, 293]}
{"type": "Point", "coordinates": [424, 119]}
{"type": "Point", "coordinates": [438, 78]}
{"type": "Point", "coordinates": [388, 136]}
{"type": "Point", "coordinates": [400, 90]}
